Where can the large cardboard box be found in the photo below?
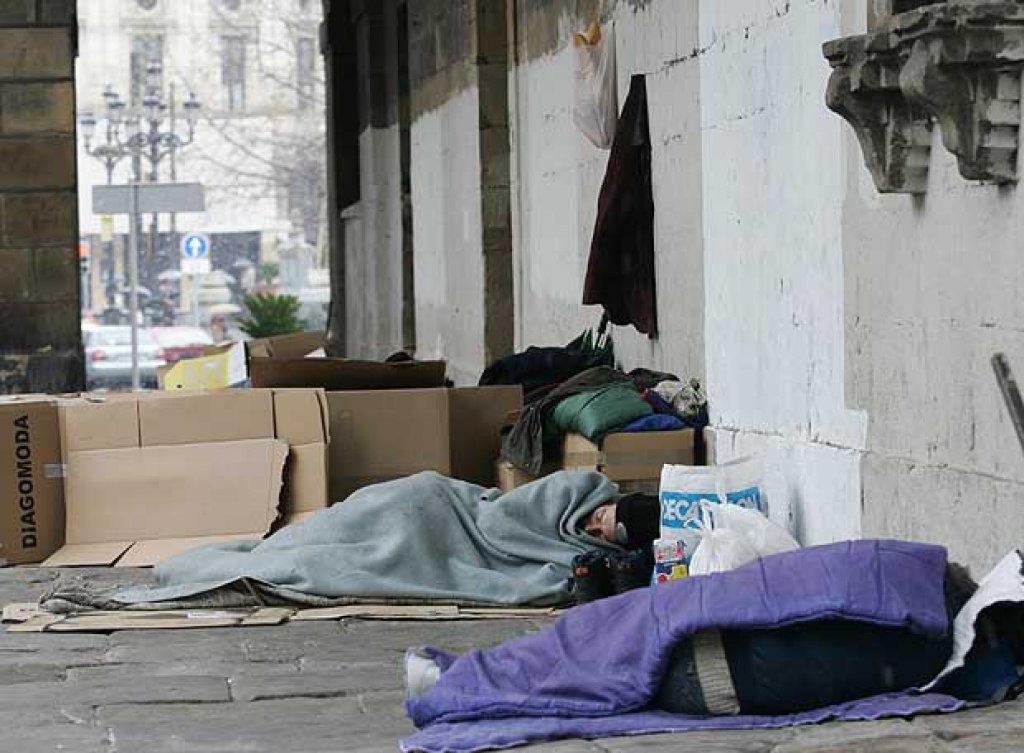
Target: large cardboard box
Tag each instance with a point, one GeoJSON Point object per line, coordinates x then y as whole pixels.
{"type": "Point", "coordinates": [629, 456]}
{"type": "Point", "coordinates": [285, 361]}
{"type": "Point", "coordinates": [380, 435]}
{"type": "Point", "coordinates": [150, 475]}
{"type": "Point", "coordinates": [31, 480]}
{"type": "Point", "coordinates": [633, 460]}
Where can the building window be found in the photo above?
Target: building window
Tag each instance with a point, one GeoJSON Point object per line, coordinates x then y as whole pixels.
{"type": "Point", "coordinates": [147, 50]}
{"type": "Point", "coordinates": [233, 72]}
{"type": "Point", "coordinates": [305, 64]}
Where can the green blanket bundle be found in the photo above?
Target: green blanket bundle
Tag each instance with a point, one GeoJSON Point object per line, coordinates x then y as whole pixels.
{"type": "Point", "coordinates": [594, 414]}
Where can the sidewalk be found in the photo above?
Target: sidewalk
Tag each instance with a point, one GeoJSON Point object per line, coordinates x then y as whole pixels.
{"type": "Point", "coordinates": [328, 687]}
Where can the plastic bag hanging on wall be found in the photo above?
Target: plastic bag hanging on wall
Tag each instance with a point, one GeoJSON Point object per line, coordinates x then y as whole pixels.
{"type": "Point", "coordinates": [595, 108]}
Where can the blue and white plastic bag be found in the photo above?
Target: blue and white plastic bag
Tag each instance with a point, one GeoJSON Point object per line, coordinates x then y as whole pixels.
{"type": "Point", "coordinates": [685, 487]}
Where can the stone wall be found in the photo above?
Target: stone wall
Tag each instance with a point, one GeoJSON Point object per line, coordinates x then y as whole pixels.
{"type": "Point", "coordinates": [40, 341]}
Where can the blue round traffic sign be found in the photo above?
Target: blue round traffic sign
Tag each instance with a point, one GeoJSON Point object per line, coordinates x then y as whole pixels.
{"type": "Point", "coordinates": [195, 246]}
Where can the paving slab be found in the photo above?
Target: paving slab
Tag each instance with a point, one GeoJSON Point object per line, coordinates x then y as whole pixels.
{"type": "Point", "coordinates": [343, 679]}
{"type": "Point", "coordinates": [326, 687]}
{"type": "Point", "coordinates": [725, 741]}
{"type": "Point", "coordinates": [306, 724]}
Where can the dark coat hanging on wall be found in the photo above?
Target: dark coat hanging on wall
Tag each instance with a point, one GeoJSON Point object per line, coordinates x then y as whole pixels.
{"type": "Point", "coordinates": [620, 273]}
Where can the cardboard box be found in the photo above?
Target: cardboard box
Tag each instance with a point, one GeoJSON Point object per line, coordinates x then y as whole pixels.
{"type": "Point", "coordinates": [632, 460]}
{"type": "Point", "coordinates": [285, 361]}
{"type": "Point", "coordinates": [299, 345]}
{"type": "Point", "coordinates": [150, 475]}
{"type": "Point", "coordinates": [629, 456]}
{"type": "Point", "coordinates": [31, 480]}
{"type": "Point", "coordinates": [381, 435]}
{"type": "Point", "coordinates": [508, 477]}
{"type": "Point", "coordinates": [219, 367]}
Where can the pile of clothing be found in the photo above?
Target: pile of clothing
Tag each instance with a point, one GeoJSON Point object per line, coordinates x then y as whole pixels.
{"type": "Point", "coordinates": [577, 389]}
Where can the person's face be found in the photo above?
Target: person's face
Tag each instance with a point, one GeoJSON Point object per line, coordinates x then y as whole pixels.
{"type": "Point", "coordinates": [601, 522]}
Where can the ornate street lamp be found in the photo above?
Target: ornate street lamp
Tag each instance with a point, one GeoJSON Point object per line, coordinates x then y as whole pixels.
{"type": "Point", "coordinates": [139, 131]}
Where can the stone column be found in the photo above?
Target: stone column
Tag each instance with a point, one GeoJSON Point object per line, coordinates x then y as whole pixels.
{"type": "Point", "coordinates": [491, 27]}
{"type": "Point", "coordinates": [40, 339]}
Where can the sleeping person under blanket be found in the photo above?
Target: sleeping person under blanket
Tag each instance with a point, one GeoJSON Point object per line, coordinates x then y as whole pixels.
{"type": "Point", "coordinates": [788, 634]}
{"type": "Point", "coordinates": [425, 538]}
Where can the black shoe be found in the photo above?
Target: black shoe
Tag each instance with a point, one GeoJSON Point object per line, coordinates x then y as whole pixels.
{"type": "Point", "coordinates": [629, 570]}
{"type": "Point", "coordinates": [590, 580]}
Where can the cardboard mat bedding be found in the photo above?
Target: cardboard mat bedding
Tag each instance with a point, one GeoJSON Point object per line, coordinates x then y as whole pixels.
{"type": "Point", "coordinates": [31, 618]}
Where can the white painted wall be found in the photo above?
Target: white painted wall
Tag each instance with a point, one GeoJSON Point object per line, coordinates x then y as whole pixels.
{"type": "Point", "coordinates": [560, 174]}
{"type": "Point", "coordinates": [748, 207]}
{"type": "Point", "coordinates": [773, 190]}
{"type": "Point", "coordinates": [934, 288]}
{"type": "Point", "coordinates": [447, 230]}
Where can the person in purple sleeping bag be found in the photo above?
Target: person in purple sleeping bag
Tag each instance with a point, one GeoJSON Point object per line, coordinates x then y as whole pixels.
{"type": "Point", "coordinates": [818, 663]}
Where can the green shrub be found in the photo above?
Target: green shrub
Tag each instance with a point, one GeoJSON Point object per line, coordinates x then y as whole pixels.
{"type": "Point", "coordinates": [270, 314]}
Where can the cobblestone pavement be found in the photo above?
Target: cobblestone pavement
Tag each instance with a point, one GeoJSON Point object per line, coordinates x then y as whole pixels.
{"type": "Point", "coordinates": [327, 687]}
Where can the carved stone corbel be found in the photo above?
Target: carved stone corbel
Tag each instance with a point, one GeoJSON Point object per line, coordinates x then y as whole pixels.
{"type": "Point", "coordinates": [963, 66]}
{"type": "Point", "coordinates": [894, 134]}
{"type": "Point", "coordinates": [958, 63]}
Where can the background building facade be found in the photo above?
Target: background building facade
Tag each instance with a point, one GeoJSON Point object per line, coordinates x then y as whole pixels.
{"type": "Point", "coordinates": [254, 66]}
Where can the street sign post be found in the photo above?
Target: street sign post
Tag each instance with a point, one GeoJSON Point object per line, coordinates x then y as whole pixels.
{"type": "Point", "coordinates": [134, 199]}
{"type": "Point", "coordinates": [195, 261]}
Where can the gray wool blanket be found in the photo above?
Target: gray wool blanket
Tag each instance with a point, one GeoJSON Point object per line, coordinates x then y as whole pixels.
{"type": "Point", "coordinates": [425, 538]}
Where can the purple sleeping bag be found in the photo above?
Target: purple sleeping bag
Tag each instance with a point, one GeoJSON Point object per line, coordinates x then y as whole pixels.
{"type": "Point", "coordinates": [593, 671]}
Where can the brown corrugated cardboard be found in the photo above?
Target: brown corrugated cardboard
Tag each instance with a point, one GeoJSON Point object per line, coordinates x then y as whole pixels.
{"type": "Point", "coordinates": [222, 416]}
{"type": "Point", "coordinates": [629, 456]}
{"type": "Point", "coordinates": [342, 374]}
{"type": "Point", "coordinates": [476, 415]}
{"type": "Point", "coordinates": [31, 484]}
{"type": "Point", "coordinates": [382, 435]}
{"type": "Point", "coordinates": [509, 477]}
{"type": "Point", "coordinates": [300, 416]}
{"type": "Point", "coordinates": [305, 482]}
{"type": "Point", "coordinates": [284, 361]}
{"type": "Point", "coordinates": [150, 475]}
{"type": "Point", "coordinates": [298, 345]}
{"type": "Point", "coordinates": [633, 460]}
{"type": "Point", "coordinates": [147, 494]}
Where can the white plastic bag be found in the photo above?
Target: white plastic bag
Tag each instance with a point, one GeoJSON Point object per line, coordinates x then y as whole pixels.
{"type": "Point", "coordinates": [684, 487]}
{"type": "Point", "coordinates": [720, 550]}
{"type": "Point", "coordinates": [731, 536]}
{"type": "Point", "coordinates": [595, 107]}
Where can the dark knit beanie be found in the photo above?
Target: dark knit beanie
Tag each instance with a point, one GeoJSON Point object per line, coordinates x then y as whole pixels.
{"type": "Point", "coordinates": [637, 520]}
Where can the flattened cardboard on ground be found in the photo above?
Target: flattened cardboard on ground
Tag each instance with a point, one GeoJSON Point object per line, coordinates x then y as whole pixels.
{"type": "Point", "coordinates": [31, 480]}
{"type": "Point", "coordinates": [153, 474]}
{"type": "Point", "coordinates": [381, 435]}
{"type": "Point", "coordinates": [31, 618]}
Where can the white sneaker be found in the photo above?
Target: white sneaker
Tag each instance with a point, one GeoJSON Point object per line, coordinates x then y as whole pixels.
{"type": "Point", "coordinates": [421, 672]}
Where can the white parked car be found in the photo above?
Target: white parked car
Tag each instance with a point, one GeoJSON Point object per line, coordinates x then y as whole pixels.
{"type": "Point", "coordinates": [108, 357]}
